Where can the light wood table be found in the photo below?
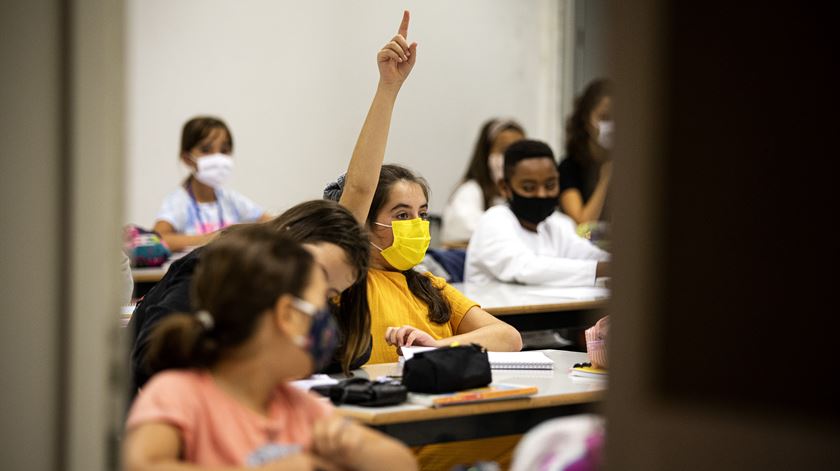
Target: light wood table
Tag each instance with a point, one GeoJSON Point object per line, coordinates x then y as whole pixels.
{"type": "Point", "coordinates": [149, 275]}
{"type": "Point", "coordinates": [559, 394]}
{"type": "Point", "coordinates": [529, 307]}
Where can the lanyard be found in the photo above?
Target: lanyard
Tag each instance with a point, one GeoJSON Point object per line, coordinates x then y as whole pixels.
{"type": "Point", "coordinates": [197, 209]}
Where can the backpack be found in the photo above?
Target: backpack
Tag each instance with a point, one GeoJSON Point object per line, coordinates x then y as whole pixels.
{"type": "Point", "coordinates": [144, 248]}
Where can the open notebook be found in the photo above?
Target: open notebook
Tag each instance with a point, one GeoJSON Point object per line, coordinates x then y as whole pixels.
{"type": "Point", "coordinates": [499, 360]}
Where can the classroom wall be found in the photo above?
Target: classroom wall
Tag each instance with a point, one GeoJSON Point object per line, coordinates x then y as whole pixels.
{"type": "Point", "coordinates": [294, 81]}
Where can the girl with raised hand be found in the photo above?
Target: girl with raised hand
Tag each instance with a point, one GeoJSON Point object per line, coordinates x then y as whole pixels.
{"type": "Point", "coordinates": [408, 307]}
{"type": "Point", "coordinates": [334, 233]}
{"type": "Point", "coordinates": [192, 214]}
{"type": "Point", "coordinates": [220, 396]}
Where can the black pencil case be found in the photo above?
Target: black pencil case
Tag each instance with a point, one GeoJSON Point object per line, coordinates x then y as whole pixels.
{"type": "Point", "coordinates": [363, 392]}
{"type": "Point", "coordinates": [447, 369]}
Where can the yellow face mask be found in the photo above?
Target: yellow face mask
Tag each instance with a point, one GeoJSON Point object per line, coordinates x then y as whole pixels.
{"type": "Point", "coordinates": [411, 239]}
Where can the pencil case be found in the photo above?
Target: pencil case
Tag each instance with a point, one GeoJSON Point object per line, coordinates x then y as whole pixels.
{"type": "Point", "coordinates": [363, 392]}
{"type": "Point", "coordinates": [447, 369]}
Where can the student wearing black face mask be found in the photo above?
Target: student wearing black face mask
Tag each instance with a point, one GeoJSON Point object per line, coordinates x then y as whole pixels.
{"type": "Point", "coordinates": [528, 241]}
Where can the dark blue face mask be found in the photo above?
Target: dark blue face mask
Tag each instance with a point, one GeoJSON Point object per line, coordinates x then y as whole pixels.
{"type": "Point", "coordinates": [322, 339]}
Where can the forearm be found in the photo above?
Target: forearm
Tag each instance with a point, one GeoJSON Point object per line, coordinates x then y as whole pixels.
{"type": "Point", "coordinates": [530, 269]}
{"type": "Point", "coordinates": [379, 451]}
{"type": "Point", "coordinates": [174, 465]}
{"type": "Point", "coordinates": [369, 153]}
{"type": "Point", "coordinates": [591, 211]}
{"type": "Point", "coordinates": [179, 242]}
{"type": "Point", "coordinates": [500, 337]}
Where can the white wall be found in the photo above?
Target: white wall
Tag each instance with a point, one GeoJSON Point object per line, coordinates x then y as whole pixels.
{"type": "Point", "coordinates": [294, 80]}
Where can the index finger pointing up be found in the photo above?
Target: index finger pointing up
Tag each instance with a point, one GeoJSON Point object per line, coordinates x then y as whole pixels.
{"type": "Point", "coordinates": [404, 25]}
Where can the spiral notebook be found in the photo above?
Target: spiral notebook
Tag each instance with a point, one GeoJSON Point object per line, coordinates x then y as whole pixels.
{"type": "Point", "coordinates": [520, 361]}
{"type": "Point", "coordinates": [531, 360]}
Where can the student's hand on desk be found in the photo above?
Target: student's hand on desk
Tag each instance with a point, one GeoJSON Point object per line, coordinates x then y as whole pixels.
{"type": "Point", "coordinates": [396, 59]}
{"type": "Point", "coordinates": [407, 335]}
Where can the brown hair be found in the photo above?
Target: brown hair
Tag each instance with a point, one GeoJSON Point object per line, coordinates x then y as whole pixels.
{"type": "Point", "coordinates": [478, 170]}
{"type": "Point", "coordinates": [238, 278]}
{"type": "Point", "coordinates": [327, 221]}
{"type": "Point", "coordinates": [197, 129]}
{"type": "Point", "coordinates": [420, 285]}
{"type": "Point", "coordinates": [578, 134]}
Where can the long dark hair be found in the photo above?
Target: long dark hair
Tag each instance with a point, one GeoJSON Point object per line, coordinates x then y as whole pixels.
{"type": "Point", "coordinates": [578, 133]}
{"type": "Point", "coordinates": [477, 169]}
{"type": "Point", "coordinates": [327, 221]}
{"type": "Point", "coordinates": [239, 277]}
{"type": "Point", "coordinates": [420, 285]}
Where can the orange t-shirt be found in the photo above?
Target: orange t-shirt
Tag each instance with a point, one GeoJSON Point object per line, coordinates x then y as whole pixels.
{"type": "Point", "coordinates": [217, 430]}
{"type": "Point", "coordinates": [393, 305]}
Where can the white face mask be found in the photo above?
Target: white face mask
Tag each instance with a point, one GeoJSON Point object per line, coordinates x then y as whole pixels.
{"type": "Point", "coordinates": [496, 164]}
{"type": "Point", "coordinates": [213, 170]}
{"type": "Point", "coordinates": [605, 134]}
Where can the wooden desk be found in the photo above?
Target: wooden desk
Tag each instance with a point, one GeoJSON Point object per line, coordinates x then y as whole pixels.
{"type": "Point", "coordinates": [154, 274]}
{"type": "Point", "coordinates": [149, 275]}
{"type": "Point", "coordinates": [559, 394]}
{"type": "Point", "coordinates": [528, 307]}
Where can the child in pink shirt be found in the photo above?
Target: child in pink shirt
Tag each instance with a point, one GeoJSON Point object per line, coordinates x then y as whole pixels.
{"type": "Point", "coordinates": [221, 398]}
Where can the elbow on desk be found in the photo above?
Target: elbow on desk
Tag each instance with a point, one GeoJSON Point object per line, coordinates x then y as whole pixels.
{"type": "Point", "coordinates": [514, 338]}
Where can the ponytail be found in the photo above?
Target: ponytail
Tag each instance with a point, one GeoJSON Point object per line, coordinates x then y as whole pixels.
{"type": "Point", "coordinates": [181, 341]}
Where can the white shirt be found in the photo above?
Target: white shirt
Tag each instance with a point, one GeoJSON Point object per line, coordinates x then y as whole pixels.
{"type": "Point", "coordinates": [501, 249]}
{"type": "Point", "coordinates": [463, 211]}
{"type": "Point", "coordinates": [189, 217]}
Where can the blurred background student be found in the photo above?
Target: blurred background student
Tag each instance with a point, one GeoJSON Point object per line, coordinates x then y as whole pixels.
{"type": "Point", "coordinates": [585, 171]}
{"type": "Point", "coordinates": [478, 189]}
{"type": "Point", "coordinates": [192, 214]}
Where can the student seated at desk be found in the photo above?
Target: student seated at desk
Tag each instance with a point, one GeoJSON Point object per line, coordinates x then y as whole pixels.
{"type": "Point", "coordinates": [408, 307]}
{"type": "Point", "coordinates": [585, 172]}
{"type": "Point", "coordinates": [191, 215]}
{"type": "Point", "coordinates": [527, 241]}
{"type": "Point", "coordinates": [412, 308]}
{"type": "Point", "coordinates": [221, 395]}
{"type": "Point", "coordinates": [332, 231]}
{"type": "Point", "coordinates": [479, 188]}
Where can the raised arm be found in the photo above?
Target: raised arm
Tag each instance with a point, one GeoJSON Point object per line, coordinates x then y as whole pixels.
{"type": "Point", "coordinates": [395, 60]}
